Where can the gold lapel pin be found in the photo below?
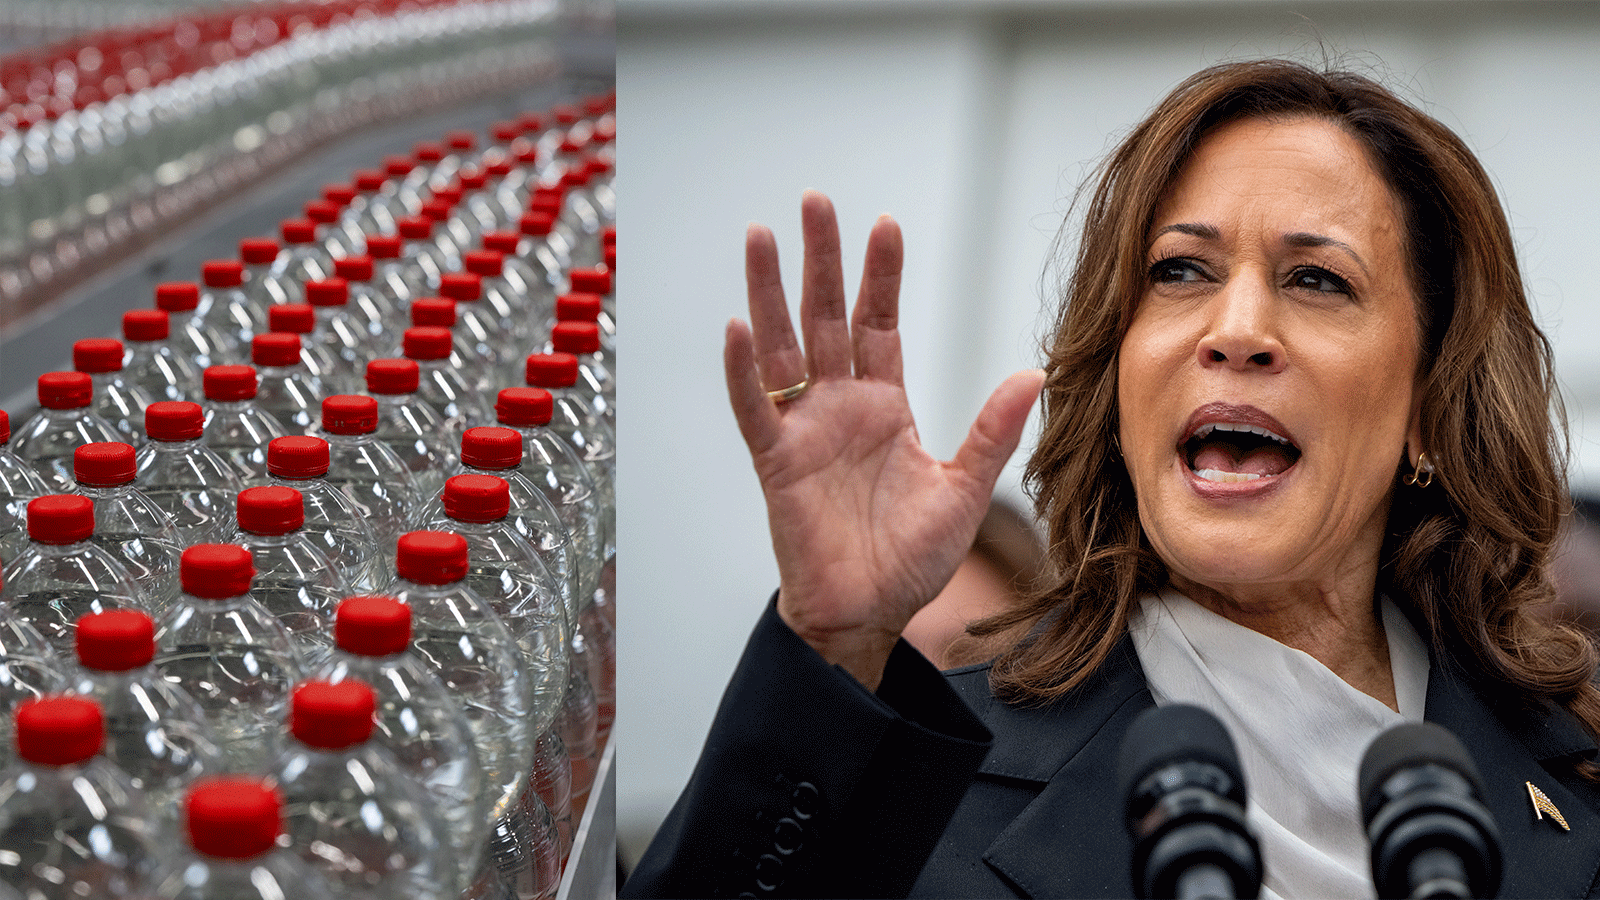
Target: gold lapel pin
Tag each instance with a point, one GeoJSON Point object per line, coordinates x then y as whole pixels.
{"type": "Point", "coordinates": [1542, 805]}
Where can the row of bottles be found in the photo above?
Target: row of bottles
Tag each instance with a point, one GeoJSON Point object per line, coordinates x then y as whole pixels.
{"type": "Point", "coordinates": [361, 463]}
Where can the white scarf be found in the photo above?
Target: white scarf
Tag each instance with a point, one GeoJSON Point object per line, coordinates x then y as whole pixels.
{"type": "Point", "coordinates": [1300, 730]}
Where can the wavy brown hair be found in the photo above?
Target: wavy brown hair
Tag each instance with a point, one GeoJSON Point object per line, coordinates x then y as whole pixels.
{"type": "Point", "coordinates": [1468, 555]}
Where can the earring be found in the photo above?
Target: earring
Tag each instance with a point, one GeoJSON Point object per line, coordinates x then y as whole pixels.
{"type": "Point", "coordinates": [1422, 475]}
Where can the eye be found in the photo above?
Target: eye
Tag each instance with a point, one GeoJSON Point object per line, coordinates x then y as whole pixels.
{"type": "Point", "coordinates": [1320, 280]}
{"type": "Point", "coordinates": [1176, 269]}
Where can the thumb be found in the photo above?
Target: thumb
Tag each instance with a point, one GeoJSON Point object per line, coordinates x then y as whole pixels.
{"type": "Point", "coordinates": [994, 434]}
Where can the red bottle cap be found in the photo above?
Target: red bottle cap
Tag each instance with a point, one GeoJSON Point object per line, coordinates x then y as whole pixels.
{"type": "Point", "coordinates": [433, 312]}
{"type": "Point", "coordinates": [103, 464]}
{"type": "Point", "coordinates": [484, 263]}
{"type": "Point", "coordinates": [275, 348]}
{"type": "Point", "coordinates": [298, 231]}
{"type": "Point", "coordinates": [329, 291]}
{"type": "Point", "coordinates": [216, 571]}
{"type": "Point", "coordinates": [476, 498]}
{"type": "Point", "coordinates": [177, 296]}
{"type": "Point", "coordinates": [428, 152]}
{"type": "Point", "coordinates": [502, 242]}
{"type": "Point", "coordinates": [461, 285]}
{"type": "Point", "coordinates": [498, 168]}
{"type": "Point", "coordinates": [521, 407]}
{"type": "Point", "coordinates": [398, 166]}
{"type": "Point", "coordinates": [229, 384]}
{"type": "Point", "coordinates": [297, 456]}
{"type": "Point", "coordinates": [115, 640]}
{"type": "Point", "coordinates": [426, 343]}
{"type": "Point", "coordinates": [372, 626]}
{"type": "Point", "coordinates": [357, 267]}
{"type": "Point", "coordinates": [272, 509]}
{"type": "Point", "coordinates": [370, 181]}
{"type": "Point", "coordinates": [5, 427]}
{"type": "Point", "coordinates": [393, 376]}
{"type": "Point", "coordinates": [536, 224]}
{"type": "Point", "coordinates": [258, 251]}
{"type": "Point", "coordinates": [332, 716]}
{"type": "Point", "coordinates": [60, 518]}
{"type": "Point", "coordinates": [438, 209]}
{"type": "Point", "coordinates": [224, 273]}
{"type": "Point", "coordinates": [146, 325]}
{"type": "Point", "coordinates": [59, 730]}
{"type": "Point", "coordinates": [591, 281]}
{"type": "Point", "coordinates": [488, 447]}
{"type": "Point", "coordinates": [578, 307]}
{"type": "Point", "coordinates": [473, 181]}
{"type": "Point", "coordinates": [338, 194]}
{"type": "Point", "coordinates": [608, 236]}
{"type": "Point", "coordinates": [174, 420]}
{"type": "Point", "coordinates": [566, 114]}
{"type": "Point", "coordinates": [611, 259]}
{"type": "Point", "coordinates": [412, 228]}
{"type": "Point", "coordinates": [97, 355]}
{"type": "Point", "coordinates": [575, 177]}
{"type": "Point", "coordinates": [382, 246]}
{"type": "Point", "coordinates": [233, 817]}
{"type": "Point", "coordinates": [546, 201]}
{"type": "Point", "coordinates": [531, 122]}
{"type": "Point", "coordinates": [321, 212]}
{"type": "Point", "coordinates": [575, 337]}
{"type": "Point", "coordinates": [552, 370]}
{"type": "Point", "coordinates": [431, 557]}
{"type": "Point", "coordinates": [349, 414]}
{"type": "Point", "coordinates": [461, 140]}
{"type": "Point", "coordinates": [528, 156]}
{"type": "Point", "coordinates": [65, 390]}
{"type": "Point", "coordinates": [506, 132]}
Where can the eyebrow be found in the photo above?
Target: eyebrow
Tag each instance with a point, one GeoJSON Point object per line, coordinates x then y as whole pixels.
{"type": "Point", "coordinates": [1298, 239]}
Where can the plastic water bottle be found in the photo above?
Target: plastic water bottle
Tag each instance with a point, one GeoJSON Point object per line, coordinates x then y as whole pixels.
{"type": "Point", "coordinates": [476, 369]}
{"type": "Point", "coordinates": [393, 277]}
{"type": "Point", "coordinates": [230, 654]}
{"type": "Point", "coordinates": [366, 306]}
{"type": "Point", "coordinates": [578, 724]}
{"type": "Point", "coordinates": [545, 252]}
{"type": "Point", "coordinates": [410, 427]}
{"type": "Point", "coordinates": [127, 524]}
{"type": "Point", "coordinates": [19, 483]}
{"type": "Point", "coordinates": [442, 386]}
{"type": "Point", "coordinates": [183, 476]}
{"type": "Point", "coordinates": [152, 362]}
{"type": "Point", "coordinates": [350, 811]}
{"type": "Point", "coordinates": [450, 234]}
{"type": "Point", "coordinates": [596, 280]}
{"type": "Point", "coordinates": [517, 586]}
{"type": "Point", "coordinates": [420, 720]}
{"type": "Point", "coordinates": [236, 428]}
{"type": "Point", "coordinates": [286, 386]}
{"type": "Point", "coordinates": [191, 336]}
{"type": "Point", "coordinates": [155, 732]}
{"type": "Point", "coordinates": [303, 258]}
{"type": "Point", "coordinates": [576, 425]}
{"type": "Point", "coordinates": [62, 574]}
{"type": "Point", "coordinates": [115, 399]}
{"type": "Point", "coordinates": [63, 423]}
{"type": "Point", "coordinates": [470, 648]}
{"type": "Point", "coordinates": [319, 358]}
{"type": "Point", "coordinates": [225, 306]}
{"type": "Point", "coordinates": [325, 215]}
{"type": "Point", "coordinates": [596, 386]}
{"type": "Point", "coordinates": [529, 266]}
{"type": "Point", "coordinates": [551, 779]}
{"type": "Point", "coordinates": [578, 307]}
{"type": "Point", "coordinates": [552, 465]}
{"type": "Point", "coordinates": [370, 474]}
{"type": "Point", "coordinates": [332, 521]}
{"type": "Point", "coordinates": [29, 669]}
{"type": "Point", "coordinates": [512, 307]}
{"type": "Point", "coordinates": [71, 823]}
{"type": "Point", "coordinates": [422, 253]}
{"type": "Point", "coordinates": [491, 339]}
{"type": "Point", "coordinates": [370, 215]}
{"type": "Point", "coordinates": [343, 331]}
{"type": "Point", "coordinates": [526, 845]}
{"type": "Point", "coordinates": [263, 288]}
{"type": "Point", "coordinates": [233, 824]}
{"type": "Point", "coordinates": [294, 580]}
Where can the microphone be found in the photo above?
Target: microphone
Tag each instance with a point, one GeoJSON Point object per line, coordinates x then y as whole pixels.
{"type": "Point", "coordinates": [1422, 804]}
{"type": "Point", "coordinates": [1185, 808]}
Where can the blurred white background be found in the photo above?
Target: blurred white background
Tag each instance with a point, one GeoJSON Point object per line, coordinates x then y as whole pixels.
{"type": "Point", "coordinates": [973, 123]}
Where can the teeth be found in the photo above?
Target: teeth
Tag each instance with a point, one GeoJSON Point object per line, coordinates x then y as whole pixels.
{"type": "Point", "coordinates": [1226, 477]}
{"type": "Point", "coordinates": [1204, 431]}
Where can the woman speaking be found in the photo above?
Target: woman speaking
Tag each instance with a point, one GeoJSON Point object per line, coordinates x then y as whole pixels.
{"type": "Point", "coordinates": [1298, 468]}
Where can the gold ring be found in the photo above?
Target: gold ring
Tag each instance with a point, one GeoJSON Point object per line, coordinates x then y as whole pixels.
{"type": "Point", "coordinates": [790, 392]}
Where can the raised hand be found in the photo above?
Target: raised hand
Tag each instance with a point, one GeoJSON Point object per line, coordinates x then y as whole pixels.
{"type": "Point", "coordinates": [866, 525]}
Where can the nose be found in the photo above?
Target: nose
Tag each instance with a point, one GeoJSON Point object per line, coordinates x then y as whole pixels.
{"type": "Point", "coordinates": [1243, 330]}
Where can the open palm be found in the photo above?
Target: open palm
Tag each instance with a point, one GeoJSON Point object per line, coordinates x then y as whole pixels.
{"type": "Point", "coordinates": [866, 525]}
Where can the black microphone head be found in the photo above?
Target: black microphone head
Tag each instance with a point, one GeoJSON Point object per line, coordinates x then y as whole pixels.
{"type": "Point", "coordinates": [1410, 744]}
{"type": "Point", "coordinates": [1177, 732]}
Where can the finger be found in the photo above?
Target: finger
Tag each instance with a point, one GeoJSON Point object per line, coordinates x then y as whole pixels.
{"type": "Point", "coordinates": [874, 326]}
{"type": "Point", "coordinates": [822, 305]}
{"type": "Point", "coordinates": [752, 409]}
{"type": "Point", "coordinates": [776, 351]}
{"type": "Point", "coordinates": [995, 433]}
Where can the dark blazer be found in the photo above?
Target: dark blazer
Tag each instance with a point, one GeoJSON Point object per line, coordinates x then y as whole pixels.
{"type": "Point", "coordinates": [811, 786]}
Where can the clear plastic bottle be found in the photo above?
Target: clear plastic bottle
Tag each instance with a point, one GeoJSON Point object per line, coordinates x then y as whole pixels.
{"type": "Point", "coordinates": [155, 732]}
{"type": "Point", "coordinates": [596, 280]}
{"type": "Point", "coordinates": [226, 307]}
{"type": "Point", "coordinates": [493, 344]}
{"type": "Point", "coordinates": [62, 575]}
{"type": "Point", "coordinates": [551, 779]}
{"type": "Point", "coordinates": [286, 386]}
{"type": "Point", "coordinates": [421, 721]}
{"type": "Point", "coordinates": [19, 483]}
{"type": "Point", "coordinates": [410, 427]}
{"type": "Point", "coordinates": [153, 364]}
{"type": "Point", "coordinates": [506, 572]}
{"type": "Point", "coordinates": [558, 472]}
{"type": "Point", "coordinates": [115, 399]}
{"type": "Point", "coordinates": [578, 307]}
{"type": "Point", "coordinates": [508, 303]}
{"type": "Point", "coordinates": [230, 654]}
{"type": "Point", "coordinates": [345, 231]}
{"type": "Point", "coordinates": [29, 669]}
{"type": "Point", "coordinates": [546, 254]}
{"type": "Point", "coordinates": [183, 476]}
{"type": "Point", "coordinates": [236, 428]}
{"type": "Point", "coordinates": [303, 259]}
{"type": "Point", "coordinates": [440, 312]}
{"type": "Point", "coordinates": [233, 824]}
{"type": "Point", "coordinates": [394, 278]}
{"type": "Point", "coordinates": [367, 471]}
{"type": "Point", "coordinates": [530, 268]}
{"type": "Point", "coordinates": [577, 425]}
{"type": "Point", "coordinates": [130, 526]}
{"type": "Point", "coordinates": [259, 254]}
{"type": "Point", "coordinates": [190, 335]}
{"type": "Point", "coordinates": [371, 216]}
{"type": "Point", "coordinates": [370, 311]}
{"type": "Point", "coordinates": [332, 521]}
{"type": "Point", "coordinates": [596, 385]}
{"type": "Point", "coordinates": [350, 811]}
{"type": "Point", "coordinates": [422, 253]}
{"type": "Point", "coordinates": [442, 386]}
{"type": "Point", "coordinates": [341, 330]}
{"type": "Point", "coordinates": [325, 214]}
{"type": "Point", "coordinates": [71, 823]}
{"type": "Point", "coordinates": [294, 579]}
{"type": "Point", "coordinates": [450, 234]}
{"type": "Point", "coordinates": [315, 352]}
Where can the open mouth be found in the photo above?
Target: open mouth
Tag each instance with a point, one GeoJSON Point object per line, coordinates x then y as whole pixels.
{"type": "Point", "coordinates": [1231, 452]}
